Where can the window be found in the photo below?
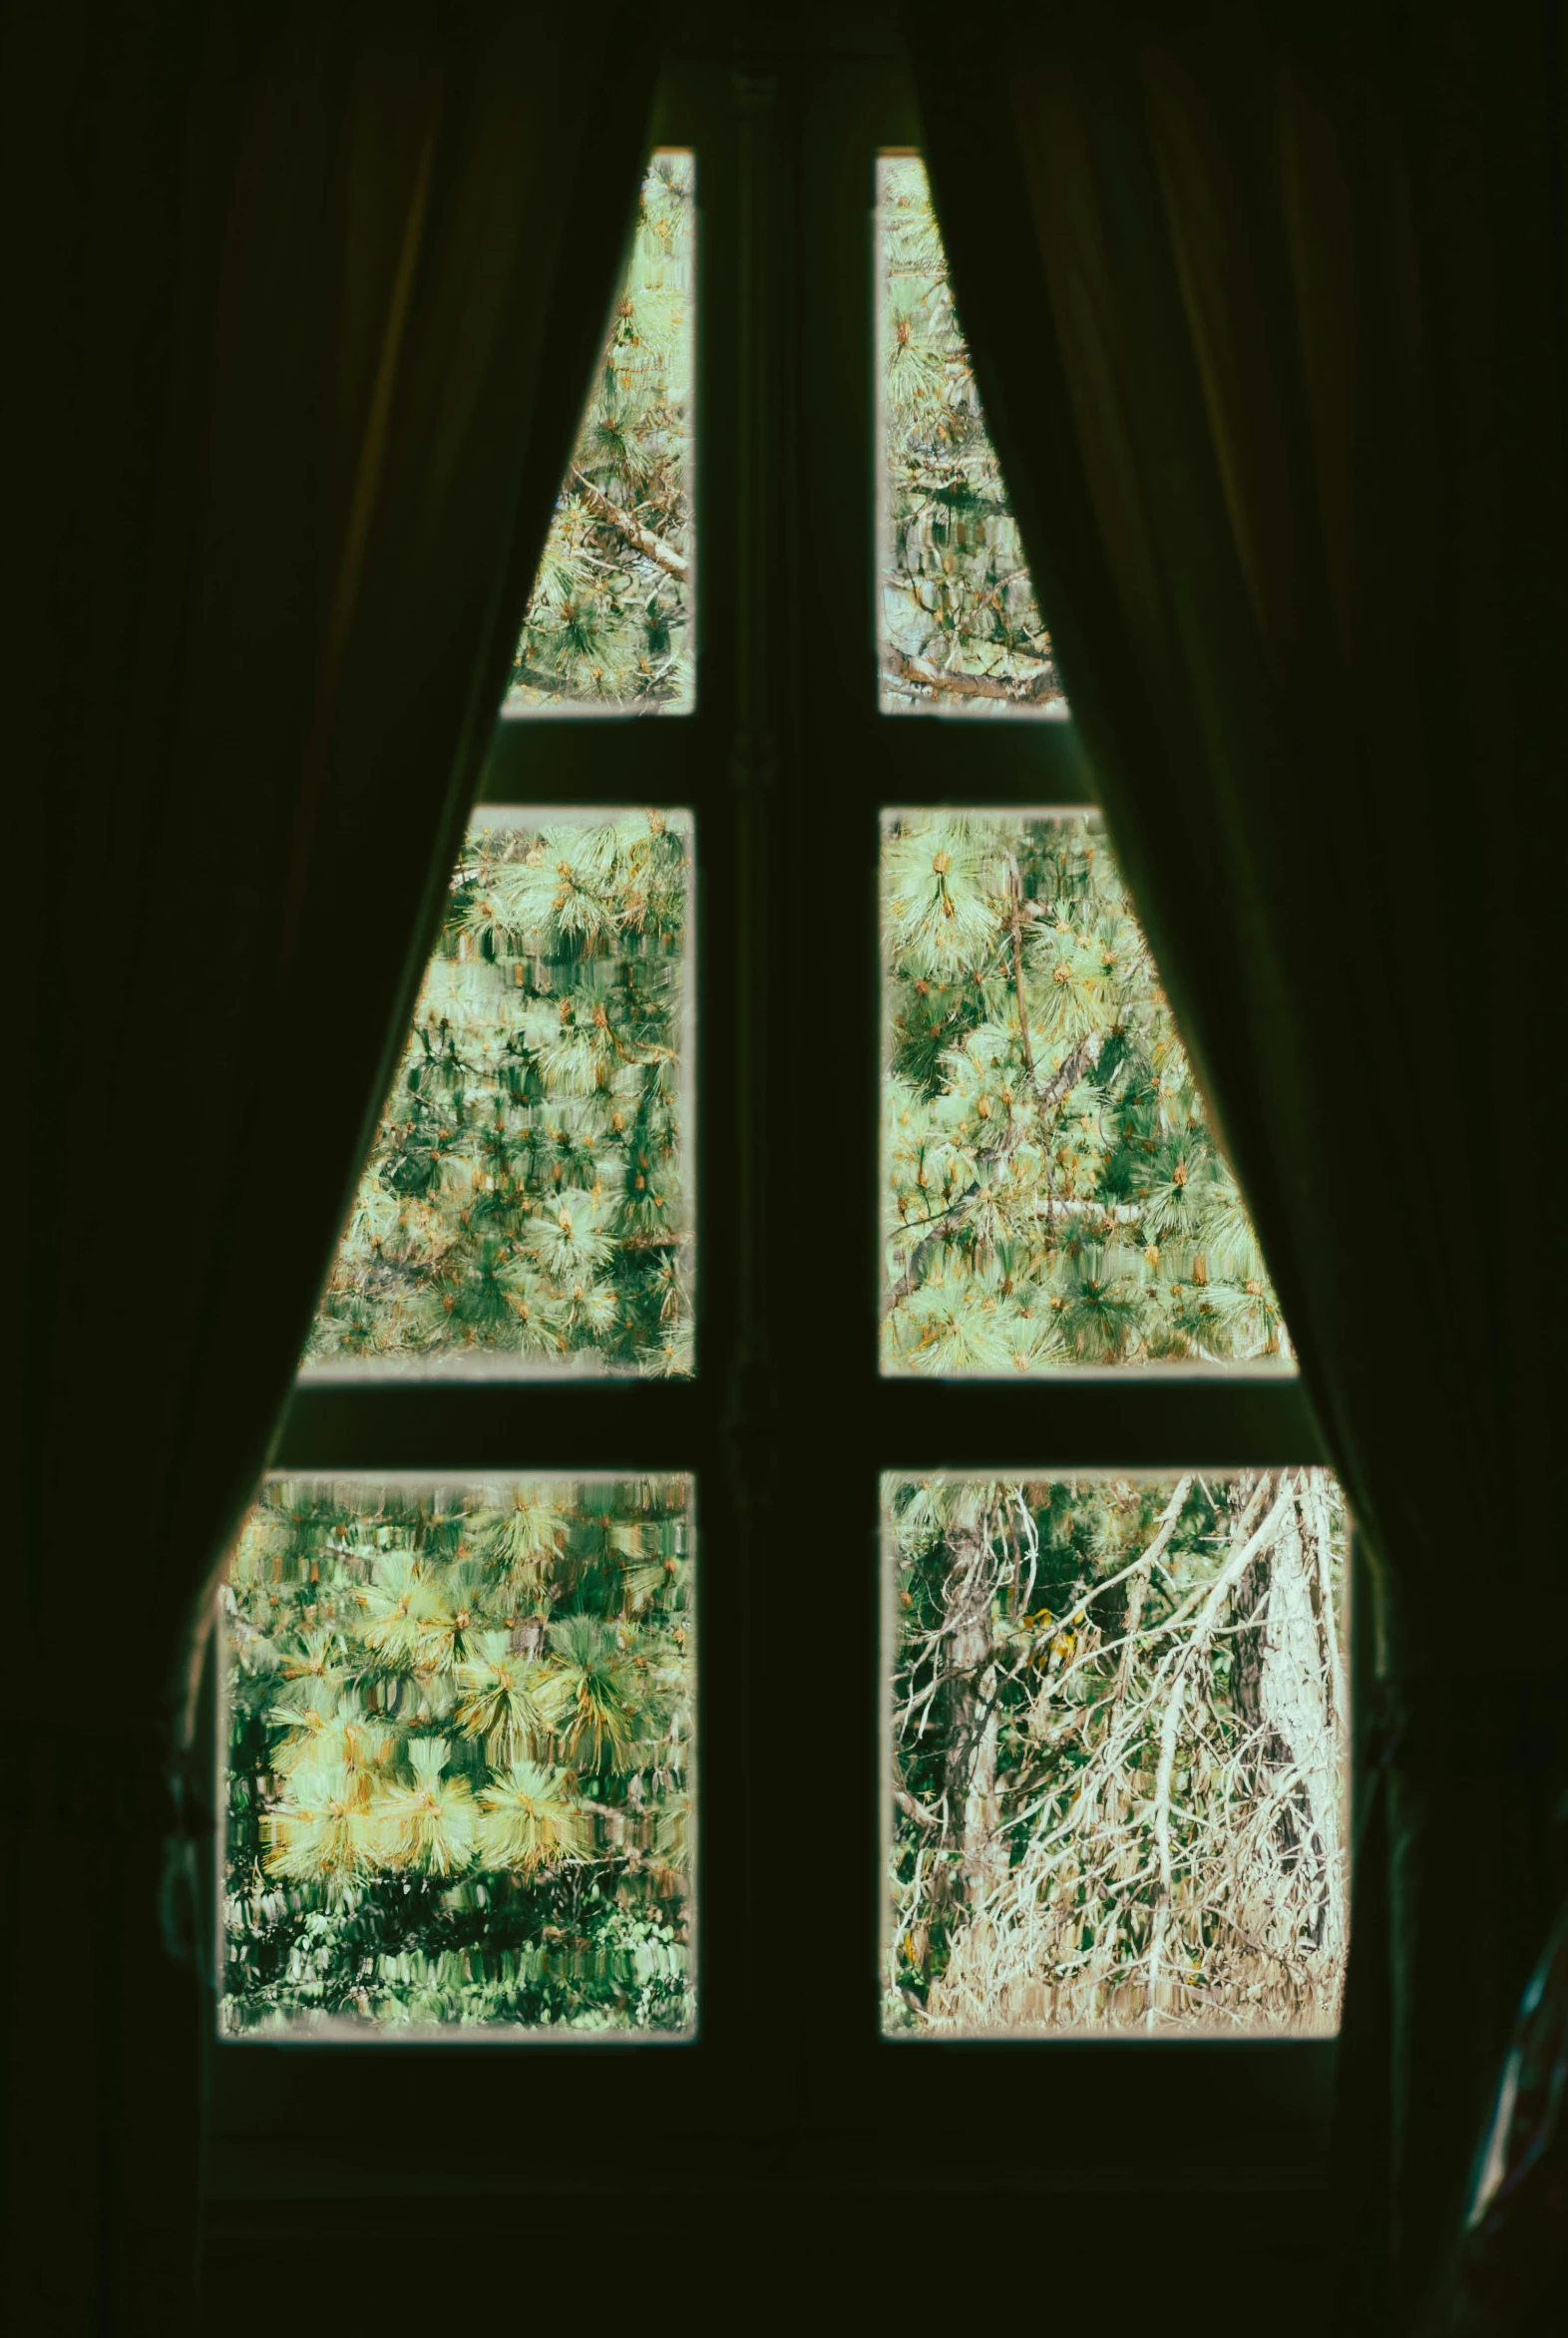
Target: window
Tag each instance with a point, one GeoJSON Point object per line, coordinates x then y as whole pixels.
{"type": "Point", "coordinates": [795, 1439]}
{"type": "Point", "coordinates": [1119, 1727]}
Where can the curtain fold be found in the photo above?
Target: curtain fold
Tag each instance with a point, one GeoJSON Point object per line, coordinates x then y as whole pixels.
{"type": "Point", "coordinates": [305, 302]}
{"type": "Point", "coordinates": [1267, 314]}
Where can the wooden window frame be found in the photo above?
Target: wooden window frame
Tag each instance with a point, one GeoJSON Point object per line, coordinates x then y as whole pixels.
{"type": "Point", "coordinates": [787, 765]}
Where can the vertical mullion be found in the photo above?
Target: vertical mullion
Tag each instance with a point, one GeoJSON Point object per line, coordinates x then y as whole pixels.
{"type": "Point", "coordinates": [827, 1079]}
{"type": "Point", "coordinates": [749, 2056]}
{"type": "Point", "coordinates": [721, 1909]}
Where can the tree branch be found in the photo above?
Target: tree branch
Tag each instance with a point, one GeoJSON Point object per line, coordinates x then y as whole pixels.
{"type": "Point", "coordinates": [642, 540]}
{"type": "Point", "coordinates": [1198, 1638]}
{"type": "Point", "coordinates": [1137, 1578]}
{"type": "Point", "coordinates": [1061, 1083]}
{"type": "Point", "coordinates": [1037, 690]}
{"type": "Point", "coordinates": [1015, 923]}
{"type": "Point", "coordinates": [1078, 1060]}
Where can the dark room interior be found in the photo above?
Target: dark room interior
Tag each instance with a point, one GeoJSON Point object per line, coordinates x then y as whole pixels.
{"type": "Point", "coordinates": [784, 1552]}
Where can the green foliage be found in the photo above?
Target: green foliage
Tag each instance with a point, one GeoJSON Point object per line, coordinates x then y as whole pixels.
{"type": "Point", "coordinates": [525, 1195]}
{"type": "Point", "coordinates": [960, 630]}
{"type": "Point", "coordinates": [1054, 1194]}
{"type": "Point", "coordinates": [610, 622]}
{"type": "Point", "coordinates": [459, 1722]}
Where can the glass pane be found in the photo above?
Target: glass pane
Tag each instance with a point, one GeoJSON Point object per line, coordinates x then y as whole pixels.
{"type": "Point", "coordinates": [1053, 1195]}
{"type": "Point", "coordinates": [609, 628]}
{"type": "Point", "coordinates": [527, 1203]}
{"type": "Point", "coordinates": [1118, 1760]}
{"type": "Point", "coordinates": [959, 630]}
{"type": "Point", "coordinates": [459, 1746]}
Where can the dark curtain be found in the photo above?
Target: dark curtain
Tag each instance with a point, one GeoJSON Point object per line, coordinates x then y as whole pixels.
{"type": "Point", "coordinates": [1267, 310]}
{"type": "Point", "coordinates": [302, 302]}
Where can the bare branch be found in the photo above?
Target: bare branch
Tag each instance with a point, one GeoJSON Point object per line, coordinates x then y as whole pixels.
{"type": "Point", "coordinates": [1138, 1576]}
{"type": "Point", "coordinates": [1015, 922]}
{"type": "Point", "coordinates": [1039, 689]}
{"type": "Point", "coordinates": [1224, 1583]}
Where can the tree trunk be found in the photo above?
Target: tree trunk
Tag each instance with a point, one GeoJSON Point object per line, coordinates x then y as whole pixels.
{"type": "Point", "coordinates": [1250, 1600]}
{"type": "Point", "coordinates": [973, 1812]}
{"type": "Point", "coordinates": [1295, 1713]}
{"type": "Point", "coordinates": [1322, 1741]}
{"type": "Point", "coordinates": [1283, 1689]}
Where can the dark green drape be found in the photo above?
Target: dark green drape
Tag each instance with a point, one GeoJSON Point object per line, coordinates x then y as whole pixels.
{"type": "Point", "coordinates": [1267, 314]}
{"type": "Point", "coordinates": [301, 303]}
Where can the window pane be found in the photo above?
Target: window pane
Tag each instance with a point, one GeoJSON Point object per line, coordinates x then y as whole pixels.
{"type": "Point", "coordinates": [609, 628]}
{"type": "Point", "coordinates": [527, 1200]}
{"type": "Point", "coordinates": [459, 1728]}
{"type": "Point", "coordinates": [1120, 1748]}
{"type": "Point", "coordinates": [1053, 1195]}
{"type": "Point", "coordinates": [959, 630]}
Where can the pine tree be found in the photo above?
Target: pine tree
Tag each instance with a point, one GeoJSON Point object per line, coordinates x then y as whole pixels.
{"type": "Point", "coordinates": [960, 630]}
{"type": "Point", "coordinates": [459, 1730]}
{"type": "Point", "coordinates": [608, 626]}
{"type": "Point", "coordinates": [525, 1197]}
{"type": "Point", "coordinates": [1054, 1194]}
